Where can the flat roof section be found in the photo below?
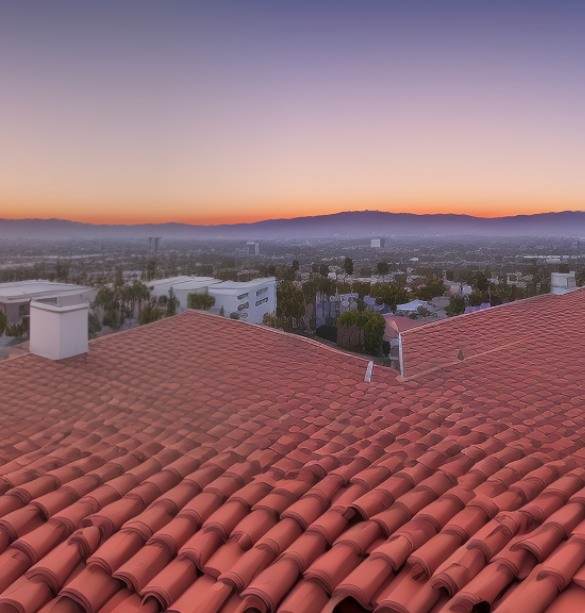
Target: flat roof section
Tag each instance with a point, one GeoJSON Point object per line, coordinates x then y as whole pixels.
{"type": "Point", "coordinates": [26, 289]}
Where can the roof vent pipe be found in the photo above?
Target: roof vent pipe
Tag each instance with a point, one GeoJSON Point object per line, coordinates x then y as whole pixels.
{"type": "Point", "coordinates": [369, 372]}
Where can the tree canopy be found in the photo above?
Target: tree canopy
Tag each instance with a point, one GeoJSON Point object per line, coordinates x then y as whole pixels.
{"type": "Point", "coordinates": [370, 324]}
{"type": "Point", "coordinates": [290, 308]}
{"type": "Point", "coordinates": [200, 301]}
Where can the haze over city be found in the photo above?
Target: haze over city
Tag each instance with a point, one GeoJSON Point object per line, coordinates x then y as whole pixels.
{"type": "Point", "coordinates": [226, 112]}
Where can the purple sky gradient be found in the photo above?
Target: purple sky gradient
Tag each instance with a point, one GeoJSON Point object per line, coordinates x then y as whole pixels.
{"type": "Point", "coordinates": [216, 111]}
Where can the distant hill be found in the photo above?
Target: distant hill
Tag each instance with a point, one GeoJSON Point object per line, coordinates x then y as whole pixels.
{"type": "Point", "coordinates": [343, 225]}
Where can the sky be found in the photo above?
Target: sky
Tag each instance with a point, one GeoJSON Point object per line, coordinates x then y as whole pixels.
{"type": "Point", "coordinates": [213, 112]}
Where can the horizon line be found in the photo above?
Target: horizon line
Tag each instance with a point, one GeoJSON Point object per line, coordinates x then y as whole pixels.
{"type": "Point", "coordinates": [285, 218]}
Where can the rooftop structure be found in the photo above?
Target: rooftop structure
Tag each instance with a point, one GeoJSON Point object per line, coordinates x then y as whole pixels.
{"type": "Point", "coordinates": [16, 296]}
{"type": "Point", "coordinates": [200, 464]}
{"type": "Point", "coordinates": [562, 282]}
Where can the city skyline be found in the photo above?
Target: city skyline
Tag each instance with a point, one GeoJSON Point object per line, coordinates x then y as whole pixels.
{"type": "Point", "coordinates": [237, 112]}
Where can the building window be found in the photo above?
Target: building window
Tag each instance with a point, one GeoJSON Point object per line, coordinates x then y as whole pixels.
{"type": "Point", "coordinates": [22, 310]}
{"type": "Point", "coordinates": [242, 296]}
{"type": "Point", "coordinates": [259, 302]}
{"type": "Point", "coordinates": [241, 307]}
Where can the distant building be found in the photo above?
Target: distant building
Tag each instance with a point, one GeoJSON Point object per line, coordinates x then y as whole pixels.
{"type": "Point", "coordinates": [249, 300]}
{"type": "Point", "coordinates": [562, 282]}
{"type": "Point", "coordinates": [455, 288]}
{"type": "Point", "coordinates": [15, 297]}
{"type": "Point", "coordinates": [153, 244]}
{"type": "Point", "coordinates": [329, 308]}
{"type": "Point", "coordinates": [161, 287]}
{"type": "Point", "coordinates": [414, 308]}
{"type": "Point", "coordinates": [440, 302]}
{"type": "Point", "coordinates": [518, 279]}
{"type": "Point", "coordinates": [377, 243]}
{"type": "Point", "coordinates": [253, 248]}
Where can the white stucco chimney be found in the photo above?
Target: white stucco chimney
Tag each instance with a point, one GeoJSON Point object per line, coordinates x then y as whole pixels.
{"type": "Point", "coordinates": [58, 332]}
{"type": "Point", "coordinates": [562, 282]}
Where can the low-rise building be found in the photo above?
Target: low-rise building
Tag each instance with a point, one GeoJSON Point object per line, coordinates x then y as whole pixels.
{"type": "Point", "coordinates": [415, 308]}
{"type": "Point", "coordinates": [15, 297]}
{"type": "Point", "coordinates": [249, 300]}
{"type": "Point", "coordinates": [329, 308]}
{"type": "Point", "coordinates": [456, 288]}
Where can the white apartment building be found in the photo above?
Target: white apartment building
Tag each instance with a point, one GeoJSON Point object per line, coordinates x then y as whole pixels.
{"type": "Point", "coordinates": [377, 243]}
{"type": "Point", "coordinates": [251, 300]}
{"type": "Point", "coordinates": [15, 297]}
{"type": "Point", "coordinates": [248, 300]}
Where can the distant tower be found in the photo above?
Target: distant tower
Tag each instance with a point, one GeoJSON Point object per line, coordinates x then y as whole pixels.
{"type": "Point", "coordinates": [253, 247]}
{"type": "Point", "coordinates": [153, 244]}
{"type": "Point", "coordinates": [377, 243]}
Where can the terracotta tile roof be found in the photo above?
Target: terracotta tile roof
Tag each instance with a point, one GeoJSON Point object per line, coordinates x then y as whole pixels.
{"type": "Point", "coordinates": [201, 464]}
{"type": "Point", "coordinates": [523, 323]}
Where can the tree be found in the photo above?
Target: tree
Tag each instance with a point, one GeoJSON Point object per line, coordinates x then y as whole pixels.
{"type": "Point", "coordinates": [3, 323]}
{"type": "Point", "coordinates": [361, 288]}
{"type": "Point", "coordinates": [456, 306]}
{"type": "Point", "coordinates": [433, 287]}
{"type": "Point", "coordinates": [475, 298]}
{"type": "Point", "coordinates": [150, 313]}
{"type": "Point", "coordinates": [482, 282]}
{"type": "Point", "coordinates": [382, 268]}
{"type": "Point", "coordinates": [93, 325]}
{"type": "Point", "coordinates": [150, 269]}
{"type": "Point", "coordinates": [390, 294]}
{"type": "Point", "coordinates": [362, 330]}
{"type": "Point", "coordinates": [421, 312]}
{"type": "Point", "coordinates": [348, 266]}
{"type": "Point", "coordinates": [118, 277]}
{"type": "Point", "coordinates": [323, 270]}
{"type": "Point", "coordinates": [171, 303]}
{"type": "Point", "coordinates": [17, 330]}
{"type": "Point", "coordinates": [374, 333]}
{"type": "Point", "coordinates": [138, 293]}
{"type": "Point", "coordinates": [62, 270]}
{"type": "Point", "coordinates": [290, 307]}
{"type": "Point", "coordinates": [200, 301]}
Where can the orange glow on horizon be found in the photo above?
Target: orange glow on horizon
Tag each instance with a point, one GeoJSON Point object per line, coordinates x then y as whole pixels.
{"type": "Point", "coordinates": [138, 215]}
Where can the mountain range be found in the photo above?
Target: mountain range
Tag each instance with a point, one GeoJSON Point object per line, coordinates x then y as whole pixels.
{"type": "Point", "coordinates": [349, 224]}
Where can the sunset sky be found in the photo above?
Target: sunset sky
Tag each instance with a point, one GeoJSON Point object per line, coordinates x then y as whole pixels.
{"type": "Point", "coordinates": [206, 112]}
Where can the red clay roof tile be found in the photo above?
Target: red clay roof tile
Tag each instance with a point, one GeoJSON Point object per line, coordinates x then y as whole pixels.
{"type": "Point", "coordinates": [259, 471]}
